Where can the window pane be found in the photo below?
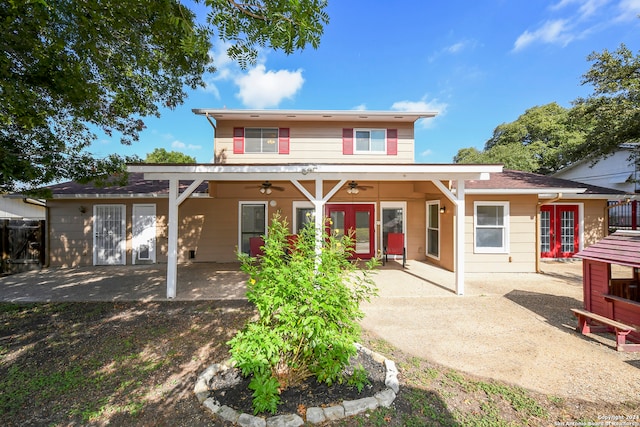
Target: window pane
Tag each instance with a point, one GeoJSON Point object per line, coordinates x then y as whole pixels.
{"type": "Point", "coordinates": [545, 231]}
{"type": "Point", "coordinates": [304, 216]}
{"type": "Point", "coordinates": [337, 227]}
{"type": "Point", "coordinates": [378, 140]}
{"type": "Point", "coordinates": [252, 140]}
{"type": "Point", "coordinates": [489, 237]}
{"type": "Point", "coordinates": [252, 224]}
{"type": "Point", "coordinates": [362, 140]}
{"type": "Point", "coordinates": [490, 215]}
{"type": "Point", "coordinates": [391, 222]}
{"type": "Point", "coordinates": [269, 140]}
{"type": "Point", "coordinates": [434, 217]}
{"type": "Point", "coordinates": [363, 242]}
{"type": "Point", "coordinates": [432, 237]}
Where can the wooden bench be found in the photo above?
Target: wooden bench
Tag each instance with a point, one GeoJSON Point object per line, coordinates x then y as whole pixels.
{"type": "Point", "coordinates": [621, 330]}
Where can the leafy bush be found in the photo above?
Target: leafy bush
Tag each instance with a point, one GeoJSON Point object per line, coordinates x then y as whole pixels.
{"type": "Point", "coordinates": [309, 308]}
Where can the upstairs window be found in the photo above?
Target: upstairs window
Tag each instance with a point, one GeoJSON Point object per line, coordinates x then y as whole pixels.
{"type": "Point", "coordinates": [371, 140]}
{"type": "Point", "coordinates": [261, 140]}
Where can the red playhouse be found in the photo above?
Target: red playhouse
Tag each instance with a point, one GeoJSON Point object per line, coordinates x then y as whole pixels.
{"type": "Point", "coordinates": [612, 304]}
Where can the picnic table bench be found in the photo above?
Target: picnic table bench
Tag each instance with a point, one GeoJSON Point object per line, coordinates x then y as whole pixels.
{"type": "Point", "coordinates": [621, 329]}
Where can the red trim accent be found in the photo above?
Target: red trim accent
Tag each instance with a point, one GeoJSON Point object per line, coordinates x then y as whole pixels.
{"type": "Point", "coordinates": [283, 140]}
{"type": "Point", "coordinates": [238, 140]}
{"type": "Point", "coordinates": [392, 142]}
{"type": "Point", "coordinates": [347, 141]}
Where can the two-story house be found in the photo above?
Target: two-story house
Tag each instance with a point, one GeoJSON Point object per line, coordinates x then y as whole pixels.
{"type": "Point", "coordinates": [356, 167]}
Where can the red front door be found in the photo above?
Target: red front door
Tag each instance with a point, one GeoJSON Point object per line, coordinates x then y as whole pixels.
{"type": "Point", "coordinates": [559, 231]}
{"type": "Point", "coordinates": [356, 220]}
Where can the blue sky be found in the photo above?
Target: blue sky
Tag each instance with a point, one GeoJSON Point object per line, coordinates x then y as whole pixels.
{"type": "Point", "coordinates": [479, 64]}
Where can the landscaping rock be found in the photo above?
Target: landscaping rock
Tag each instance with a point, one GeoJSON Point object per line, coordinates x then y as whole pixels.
{"type": "Point", "coordinates": [334, 412]}
{"type": "Point", "coordinates": [246, 420]}
{"type": "Point", "coordinates": [315, 415]}
{"type": "Point", "coordinates": [289, 420]}
{"type": "Point", "coordinates": [354, 407]}
{"type": "Point", "coordinates": [386, 397]}
{"type": "Point", "coordinates": [391, 380]}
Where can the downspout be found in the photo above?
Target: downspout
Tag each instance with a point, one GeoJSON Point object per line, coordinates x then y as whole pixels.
{"type": "Point", "coordinates": [538, 234]}
{"type": "Point", "coordinates": [213, 125]}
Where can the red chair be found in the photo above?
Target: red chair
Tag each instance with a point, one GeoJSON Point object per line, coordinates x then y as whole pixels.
{"type": "Point", "coordinates": [256, 245]}
{"type": "Point", "coordinates": [395, 246]}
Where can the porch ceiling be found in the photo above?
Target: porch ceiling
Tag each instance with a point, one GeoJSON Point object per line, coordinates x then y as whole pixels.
{"type": "Point", "coordinates": [302, 172]}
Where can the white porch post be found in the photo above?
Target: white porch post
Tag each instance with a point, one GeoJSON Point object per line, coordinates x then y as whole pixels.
{"type": "Point", "coordinates": [172, 254]}
{"type": "Point", "coordinates": [459, 234]}
{"type": "Point", "coordinates": [175, 199]}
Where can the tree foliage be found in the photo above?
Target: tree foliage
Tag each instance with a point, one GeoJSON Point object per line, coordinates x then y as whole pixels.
{"type": "Point", "coordinates": [542, 140]}
{"type": "Point", "coordinates": [68, 69]}
{"type": "Point", "coordinates": [160, 155]}
{"type": "Point", "coordinates": [611, 115]}
{"type": "Point", "coordinates": [286, 25]}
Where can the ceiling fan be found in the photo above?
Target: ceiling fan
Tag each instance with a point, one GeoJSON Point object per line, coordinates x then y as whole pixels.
{"type": "Point", "coordinates": [354, 188]}
{"type": "Point", "coordinates": [266, 187]}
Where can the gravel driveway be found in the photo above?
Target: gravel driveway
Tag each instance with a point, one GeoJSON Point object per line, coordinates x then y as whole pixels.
{"type": "Point", "coordinates": [512, 327]}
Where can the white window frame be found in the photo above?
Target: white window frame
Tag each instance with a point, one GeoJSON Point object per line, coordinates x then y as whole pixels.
{"type": "Point", "coordinates": [266, 218]}
{"type": "Point", "coordinates": [262, 142]}
{"type": "Point", "coordinates": [504, 249]}
{"type": "Point", "coordinates": [369, 151]}
{"type": "Point", "coordinates": [299, 205]}
{"type": "Point", "coordinates": [393, 205]}
{"type": "Point", "coordinates": [428, 217]}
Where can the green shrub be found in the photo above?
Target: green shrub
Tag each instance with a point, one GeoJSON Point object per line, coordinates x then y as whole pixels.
{"type": "Point", "coordinates": [309, 308]}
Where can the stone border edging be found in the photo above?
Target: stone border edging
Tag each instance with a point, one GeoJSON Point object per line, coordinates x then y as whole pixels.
{"type": "Point", "coordinates": [314, 415]}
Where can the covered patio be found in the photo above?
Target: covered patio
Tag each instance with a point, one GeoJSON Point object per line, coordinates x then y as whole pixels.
{"type": "Point", "coordinates": [310, 180]}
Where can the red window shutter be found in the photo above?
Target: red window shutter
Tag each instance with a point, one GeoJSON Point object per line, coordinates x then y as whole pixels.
{"type": "Point", "coordinates": [392, 142]}
{"type": "Point", "coordinates": [283, 140]}
{"type": "Point", "coordinates": [238, 140]}
{"type": "Point", "coordinates": [347, 141]}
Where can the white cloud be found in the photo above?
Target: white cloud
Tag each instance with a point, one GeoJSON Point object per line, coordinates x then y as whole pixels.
{"type": "Point", "coordinates": [181, 145]}
{"type": "Point", "coordinates": [426, 153]}
{"type": "Point", "coordinates": [578, 19]}
{"type": "Point", "coordinates": [260, 88]}
{"type": "Point", "coordinates": [454, 49]}
{"type": "Point", "coordinates": [361, 107]}
{"type": "Point", "coordinates": [554, 31]}
{"type": "Point", "coordinates": [629, 10]}
{"type": "Point", "coordinates": [422, 106]}
{"type": "Point", "coordinates": [257, 87]}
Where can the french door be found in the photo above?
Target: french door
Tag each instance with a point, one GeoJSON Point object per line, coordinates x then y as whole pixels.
{"type": "Point", "coordinates": [559, 231]}
{"type": "Point", "coordinates": [109, 235]}
{"type": "Point", "coordinates": [356, 220]}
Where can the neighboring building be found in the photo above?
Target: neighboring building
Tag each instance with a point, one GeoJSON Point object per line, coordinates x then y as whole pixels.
{"type": "Point", "coordinates": [356, 167]}
{"type": "Point", "coordinates": [617, 171]}
{"type": "Point", "coordinates": [22, 233]}
{"type": "Point", "coordinates": [21, 208]}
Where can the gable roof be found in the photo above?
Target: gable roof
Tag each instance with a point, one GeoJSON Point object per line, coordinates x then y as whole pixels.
{"type": "Point", "coordinates": [518, 182]}
{"type": "Point", "coordinates": [622, 248]}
